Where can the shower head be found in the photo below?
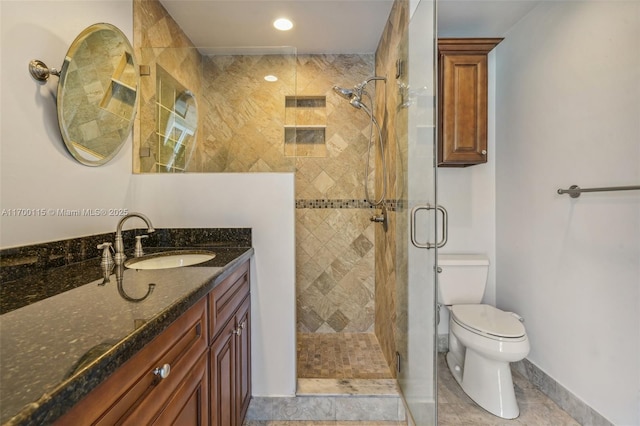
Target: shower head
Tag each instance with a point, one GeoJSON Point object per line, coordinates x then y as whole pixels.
{"type": "Point", "coordinates": [345, 93]}
{"type": "Point", "coordinates": [356, 102]}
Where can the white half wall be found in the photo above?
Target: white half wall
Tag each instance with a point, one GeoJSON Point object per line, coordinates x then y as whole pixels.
{"type": "Point", "coordinates": [568, 112]}
{"type": "Point", "coordinates": [264, 202]}
{"type": "Point", "coordinates": [36, 171]}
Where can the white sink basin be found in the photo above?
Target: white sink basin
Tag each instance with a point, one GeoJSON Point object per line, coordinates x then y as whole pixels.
{"type": "Point", "coordinates": [170, 259]}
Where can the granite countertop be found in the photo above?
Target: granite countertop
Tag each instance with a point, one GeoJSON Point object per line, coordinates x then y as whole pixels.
{"type": "Point", "coordinates": [54, 351]}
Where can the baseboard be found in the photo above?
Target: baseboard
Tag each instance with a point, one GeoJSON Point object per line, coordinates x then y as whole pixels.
{"type": "Point", "coordinates": [570, 403]}
{"type": "Point", "coordinates": [566, 400]}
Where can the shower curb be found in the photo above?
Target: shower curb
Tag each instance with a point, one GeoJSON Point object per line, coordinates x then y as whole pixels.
{"type": "Point", "coordinates": [333, 400]}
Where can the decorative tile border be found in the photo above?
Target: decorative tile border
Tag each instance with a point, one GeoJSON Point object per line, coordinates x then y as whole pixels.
{"type": "Point", "coordinates": [392, 205]}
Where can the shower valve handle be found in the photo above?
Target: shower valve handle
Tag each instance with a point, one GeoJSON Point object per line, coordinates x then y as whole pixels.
{"type": "Point", "coordinates": [377, 218]}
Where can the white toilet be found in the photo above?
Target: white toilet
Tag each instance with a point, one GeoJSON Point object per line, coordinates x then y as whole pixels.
{"type": "Point", "coordinates": [483, 340]}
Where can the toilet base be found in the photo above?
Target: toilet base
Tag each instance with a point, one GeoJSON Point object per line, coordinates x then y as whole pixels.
{"type": "Point", "coordinates": [487, 382]}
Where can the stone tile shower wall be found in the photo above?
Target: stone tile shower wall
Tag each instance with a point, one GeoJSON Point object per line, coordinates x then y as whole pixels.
{"type": "Point", "coordinates": [334, 236]}
{"type": "Point", "coordinates": [242, 129]}
{"type": "Point", "coordinates": [390, 257]}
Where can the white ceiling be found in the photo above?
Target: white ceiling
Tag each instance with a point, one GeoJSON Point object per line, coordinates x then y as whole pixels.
{"type": "Point", "coordinates": [327, 26]}
{"type": "Point", "coordinates": [480, 18]}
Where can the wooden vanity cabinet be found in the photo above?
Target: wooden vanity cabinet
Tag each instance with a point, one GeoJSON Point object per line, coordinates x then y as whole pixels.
{"type": "Point", "coordinates": [230, 353]}
{"type": "Point", "coordinates": [136, 394]}
{"type": "Point", "coordinates": [208, 349]}
{"type": "Point", "coordinates": [462, 121]}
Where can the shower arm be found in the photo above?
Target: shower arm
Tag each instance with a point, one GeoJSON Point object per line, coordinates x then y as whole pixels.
{"type": "Point", "coordinates": [375, 77]}
{"type": "Point", "coordinates": [360, 87]}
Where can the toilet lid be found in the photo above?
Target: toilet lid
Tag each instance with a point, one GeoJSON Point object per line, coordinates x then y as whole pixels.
{"type": "Point", "coordinates": [489, 320]}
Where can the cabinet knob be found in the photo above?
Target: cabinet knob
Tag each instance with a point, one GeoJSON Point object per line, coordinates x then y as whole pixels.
{"type": "Point", "coordinates": [162, 372]}
{"type": "Point", "coordinates": [238, 329]}
{"type": "Point", "coordinates": [484, 152]}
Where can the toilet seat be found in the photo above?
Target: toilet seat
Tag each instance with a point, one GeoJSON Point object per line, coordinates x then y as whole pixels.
{"type": "Point", "coordinates": [488, 321]}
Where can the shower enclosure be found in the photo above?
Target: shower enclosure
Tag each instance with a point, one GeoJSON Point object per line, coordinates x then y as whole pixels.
{"type": "Point", "coordinates": [398, 138]}
{"type": "Point", "coordinates": [415, 226]}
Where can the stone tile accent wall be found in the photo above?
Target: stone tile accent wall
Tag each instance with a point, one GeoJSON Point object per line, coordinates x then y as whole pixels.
{"type": "Point", "coordinates": [334, 236]}
{"type": "Point", "coordinates": [391, 292]}
{"type": "Point", "coordinates": [245, 124]}
{"type": "Point", "coordinates": [334, 270]}
{"type": "Point", "coordinates": [242, 129]}
{"type": "Point", "coordinates": [243, 117]}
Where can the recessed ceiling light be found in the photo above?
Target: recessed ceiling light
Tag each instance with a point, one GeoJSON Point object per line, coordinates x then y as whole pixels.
{"type": "Point", "coordinates": [283, 24]}
{"type": "Point", "coordinates": [271, 78]}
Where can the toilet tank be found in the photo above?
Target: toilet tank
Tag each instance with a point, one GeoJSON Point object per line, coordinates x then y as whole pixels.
{"type": "Point", "coordinates": [462, 278]}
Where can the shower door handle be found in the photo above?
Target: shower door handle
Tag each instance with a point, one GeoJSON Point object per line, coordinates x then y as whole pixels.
{"type": "Point", "coordinates": [445, 227]}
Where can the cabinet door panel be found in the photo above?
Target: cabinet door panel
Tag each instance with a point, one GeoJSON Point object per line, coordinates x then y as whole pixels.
{"type": "Point", "coordinates": [463, 100]}
{"type": "Point", "coordinates": [464, 111]}
{"type": "Point", "coordinates": [189, 405]}
{"type": "Point", "coordinates": [223, 382]}
{"type": "Point", "coordinates": [243, 357]}
{"type": "Point", "coordinates": [226, 297]}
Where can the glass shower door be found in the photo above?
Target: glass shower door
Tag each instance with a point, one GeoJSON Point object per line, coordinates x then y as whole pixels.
{"type": "Point", "coordinates": [416, 225]}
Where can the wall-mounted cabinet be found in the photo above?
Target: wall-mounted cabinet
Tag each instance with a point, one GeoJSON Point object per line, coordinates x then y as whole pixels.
{"type": "Point", "coordinates": [463, 80]}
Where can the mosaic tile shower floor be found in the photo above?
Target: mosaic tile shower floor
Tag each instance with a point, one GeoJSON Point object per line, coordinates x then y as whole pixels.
{"type": "Point", "coordinates": [341, 356]}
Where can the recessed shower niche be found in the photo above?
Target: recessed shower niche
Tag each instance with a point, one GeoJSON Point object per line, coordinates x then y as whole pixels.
{"type": "Point", "coordinates": [305, 126]}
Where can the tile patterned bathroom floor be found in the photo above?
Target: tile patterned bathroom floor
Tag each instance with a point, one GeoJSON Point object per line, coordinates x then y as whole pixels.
{"type": "Point", "coordinates": [357, 355]}
{"type": "Point", "coordinates": [341, 356]}
{"type": "Point", "coordinates": [455, 408]}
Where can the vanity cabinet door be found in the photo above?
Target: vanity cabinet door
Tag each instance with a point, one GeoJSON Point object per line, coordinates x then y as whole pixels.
{"type": "Point", "coordinates": [463, 101]}
{"type": "Point", "coordinates": [230, 352]}
{"type": "Point", "coordinates": [226, 297]}
{"type": "Point", "coordinates": [243, 357]}
{"type": "Point", "coordinates": [230, 364]}
{"type": "Point", "coordinates": [189, 405]}
{"type": "Point", "coordinates": [222, 372]}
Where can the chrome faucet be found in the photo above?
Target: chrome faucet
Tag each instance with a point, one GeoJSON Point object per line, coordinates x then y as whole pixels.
{"type": "Point", "coordinates": [119, 245]}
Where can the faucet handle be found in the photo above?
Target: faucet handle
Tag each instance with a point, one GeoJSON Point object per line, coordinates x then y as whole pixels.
{"type": "Point", "coordinates": [138, 249]}
{"type": "Point", "coordinates": [107, 260]}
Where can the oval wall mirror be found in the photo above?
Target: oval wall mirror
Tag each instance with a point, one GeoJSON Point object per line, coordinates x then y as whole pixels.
{"type": "Point", "coordinates": [97, 94]}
